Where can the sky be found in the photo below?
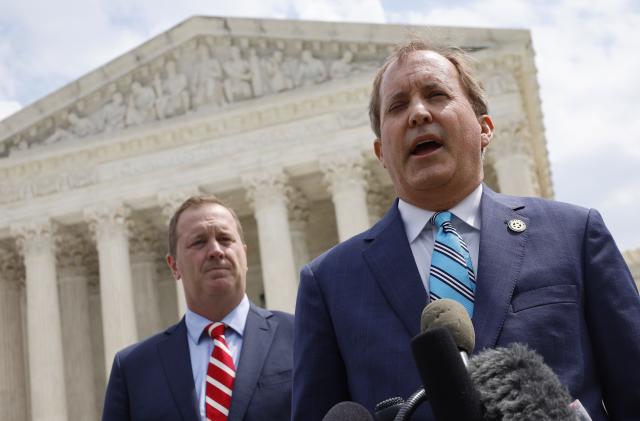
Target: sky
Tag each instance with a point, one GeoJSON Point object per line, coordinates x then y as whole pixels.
{"type": "Point", "coordinates": [586, 55]}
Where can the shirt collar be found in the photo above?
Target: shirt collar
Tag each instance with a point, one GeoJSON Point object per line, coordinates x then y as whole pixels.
{"type": "Point", "coordinates": [415, 218]}
{"type": "Point", "coordinates": [236, 320]}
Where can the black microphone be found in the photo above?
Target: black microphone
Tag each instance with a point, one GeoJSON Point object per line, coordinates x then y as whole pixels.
{"type": "Point", "coordinates": [348, 411]}
{"type": "Point", "coordinates": [440, 353]}
{"type": "Point", "coordinates": [446, 380]}
{"type": "Point", "coordinates": [515, 384]}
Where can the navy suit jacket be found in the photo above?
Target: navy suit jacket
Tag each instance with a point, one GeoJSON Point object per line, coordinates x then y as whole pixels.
{"type": "Point", "coordinates": [561, 286]}
{"type": "Point", "coordinates": [153, 380]}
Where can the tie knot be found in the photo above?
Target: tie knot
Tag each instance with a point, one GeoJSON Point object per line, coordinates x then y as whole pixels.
{"type": "Point", "coordinates": [440, 218]}
{"type": "Point", "coordinates": [215, 330]}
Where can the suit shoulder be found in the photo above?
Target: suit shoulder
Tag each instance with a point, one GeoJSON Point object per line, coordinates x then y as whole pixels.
{"type": "Point", "coordinates": [281, 317]}
{"type": "Point", "coordinates": [550, 210]}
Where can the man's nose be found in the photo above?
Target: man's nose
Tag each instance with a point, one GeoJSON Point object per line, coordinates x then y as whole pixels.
{"type": "Point", "coordinates": [419, 114]}
{"type": "Point", "coordinates": [214, 250]}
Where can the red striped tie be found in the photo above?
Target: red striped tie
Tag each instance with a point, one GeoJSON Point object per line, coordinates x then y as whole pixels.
{"type": "Point", "coordinates": [221, 373]}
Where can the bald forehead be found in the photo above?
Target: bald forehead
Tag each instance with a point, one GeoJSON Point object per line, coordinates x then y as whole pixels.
{"type": "Point", "coordinates": [429, 60]}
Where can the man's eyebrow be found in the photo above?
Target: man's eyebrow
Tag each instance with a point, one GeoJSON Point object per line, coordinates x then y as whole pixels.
{"type": "Point", "coordinates": [396, 96]}
{"type": "Point", "coordinates": [402, 94]}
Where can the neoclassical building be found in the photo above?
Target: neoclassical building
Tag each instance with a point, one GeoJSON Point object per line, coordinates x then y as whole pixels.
{"type": "Point", "coordinates": [269, 115]}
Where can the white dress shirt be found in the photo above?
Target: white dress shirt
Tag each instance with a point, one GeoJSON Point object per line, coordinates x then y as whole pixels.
{"type": "Point", "coordinates": [421, 234]}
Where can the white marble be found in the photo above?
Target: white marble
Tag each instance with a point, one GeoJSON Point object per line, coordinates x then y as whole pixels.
{"type": "Point", "coordinates": [109, 227]}
{"type": "Point", "coordinates": [13, 388]}
{"type": "Point", "coordinates": [46, 361]}
{"type": "Point", "coordinates": [268, 194]}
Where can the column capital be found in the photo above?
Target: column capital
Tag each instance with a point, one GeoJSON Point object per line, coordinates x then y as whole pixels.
{"type": "Point", "coordinates": [344, 169]}
{"type": "Point", "coordinates": [11, 268]}
{"type": "Point", "coordinates": [75, 253]}
{"type": "Point", "coordinates": [104, 220]}
{"type": "Point", "coordinates": [170, 200]}
{"type": "Point", "coordinates": [263, 187]}
{"type": "Point", "coordinates": [34, 236]}
{"type": "Point", "coordinates": [298, 206]}
{"type": "Point", "coordinates": [144, 239]}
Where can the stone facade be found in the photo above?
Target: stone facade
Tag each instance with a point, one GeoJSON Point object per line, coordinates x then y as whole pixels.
{"type": "Point", "coordinates": [270, 115]}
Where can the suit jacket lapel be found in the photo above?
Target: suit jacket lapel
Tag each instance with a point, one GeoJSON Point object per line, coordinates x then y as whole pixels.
{"type": "Point", "coordinates": [176, 362]}
{"type": "Point", "coordinates": [257, 338]}
{"type": "Point", "coordinates": [501, 255]}
{"type": "Point", "coordinates": [391, 262]}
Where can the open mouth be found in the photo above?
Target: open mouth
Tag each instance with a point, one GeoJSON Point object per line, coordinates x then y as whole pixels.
{"type": "Point", "coordinates": [426, 147]}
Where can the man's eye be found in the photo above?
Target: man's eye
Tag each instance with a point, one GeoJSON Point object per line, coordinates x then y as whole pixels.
{"type": "Point", "coordinates": [395, 106]}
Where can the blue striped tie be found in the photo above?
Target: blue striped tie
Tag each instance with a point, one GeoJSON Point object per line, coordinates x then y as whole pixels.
{"type": "Point", "coordinates": [451, 274]}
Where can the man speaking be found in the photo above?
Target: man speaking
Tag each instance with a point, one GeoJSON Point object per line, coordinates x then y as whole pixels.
{"type": "Point", "coordinates": [227, 359]}
{"type": "Point", "coordinates": [527, 270]}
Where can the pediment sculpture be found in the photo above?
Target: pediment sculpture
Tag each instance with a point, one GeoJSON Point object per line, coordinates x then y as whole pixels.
{"type": "Point", "coordinates": [207, 72]}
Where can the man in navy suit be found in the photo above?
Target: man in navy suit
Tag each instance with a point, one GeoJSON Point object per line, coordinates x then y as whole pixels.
{"type": "Point", "coordinates": [547, 274]}
{"type": "Point", "coordinates": [165, 377]}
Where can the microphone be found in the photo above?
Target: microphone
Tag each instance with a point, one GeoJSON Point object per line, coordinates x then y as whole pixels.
{"type": "Point", "coordinates": [446, 380]}
{"type": "Point", "coordinates": [451, 315]}
{"type": "Point", "coordinates": [515, 384]}
{"type": "Point", "coordinates": [440, 353]}
{"type": "Point", "coordinates": [348, 411]}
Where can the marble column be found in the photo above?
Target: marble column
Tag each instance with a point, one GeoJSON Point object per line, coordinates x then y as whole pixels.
{"type": "Point", "coordinates": [511, 157]}
{"type": "Point", "coordinates": [144, 241]}
{"type": "Point", "coordinates": [109, 226]}
{"type": "Point", "coordinates": [298, 221]}
{"type": "Point", "coordinates": [170, 201]}
{"type": "Point", "coordinates": [346, 179]}
{"type": "Point", "coordinates": [46, 361]}
{"type": "Point", "coordinates": [267, 192]}
{"type": "Point", "coordinates": [74, 261]}
{"type": "Point", "coordinates": [97, 337]}
{"type": "Point", "coordinates": [13, 387]}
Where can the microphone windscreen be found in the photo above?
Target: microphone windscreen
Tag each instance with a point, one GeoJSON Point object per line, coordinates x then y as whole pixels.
{"type": "Point", "coordinates": [515, 384]}
{"type": "Point", "coordinates": [451, 315]}
{"type": "Point", "coordinates": [348, 411]}
{"type": "Point", "coordinates": [444, 376]}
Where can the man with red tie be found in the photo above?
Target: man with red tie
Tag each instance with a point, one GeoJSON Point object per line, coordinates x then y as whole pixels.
{"type": "Point", "coordinates": [227, 359]}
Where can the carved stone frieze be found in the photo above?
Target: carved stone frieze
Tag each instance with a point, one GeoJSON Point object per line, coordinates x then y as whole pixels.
{"type": "Point", "coordinates": [68, 172]}
{"type": "Point", "coordinates": [206, 71]}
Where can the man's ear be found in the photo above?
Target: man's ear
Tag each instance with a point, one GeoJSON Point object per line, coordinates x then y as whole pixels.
{"type": "Point", "coordinates": [377, 148]}
{"type": "Point", "coordinates": [486, 130]}
{"type": "Point", "coordinates": [171, 262]}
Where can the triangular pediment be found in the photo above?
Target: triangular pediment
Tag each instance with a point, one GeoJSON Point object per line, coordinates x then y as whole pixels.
{"type": "Point", "coordinates": [204, 63]}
